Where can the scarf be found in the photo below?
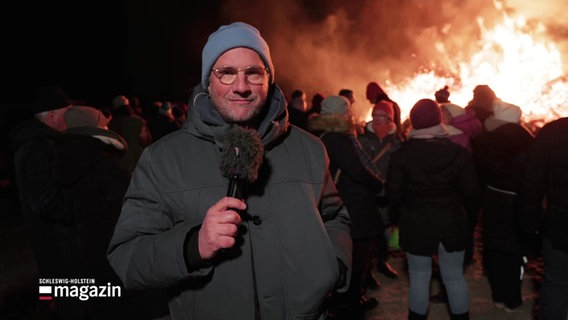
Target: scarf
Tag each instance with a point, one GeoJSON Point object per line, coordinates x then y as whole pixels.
{"type": "Point", "coordinates": [384, 129]}
{"type": "Point", "coordinates": [364, 157]}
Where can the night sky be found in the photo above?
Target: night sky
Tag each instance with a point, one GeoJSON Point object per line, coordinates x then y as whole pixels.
{"type": "Point", "coordinates": [152, 49]}
{"type": "Point", "coordinates": [97, 50]}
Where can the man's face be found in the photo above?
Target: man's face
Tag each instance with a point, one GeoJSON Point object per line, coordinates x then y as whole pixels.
{"type": "Point", "coordinates": [240, 101]}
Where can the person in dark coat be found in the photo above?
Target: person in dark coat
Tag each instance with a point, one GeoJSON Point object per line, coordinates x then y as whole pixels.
{"type": "Point", "coordinates": [544, 212]}
{"type": "Point", "coordinates": [133, 128]}
{"type": "Point", "coordinates": [430, 182]}
{"type": "Point", "coordinates": [161, 120]}
{"type": "Point", "coordinates": [357, 184]}
{"type": "Point", "coordinates": [87, 169]}
{"type": "Point", "coordinates": [482, 102]}
{"type": "Point", "coordinates": [499, 154]}
{"type": "Point", "coordinates": [379, 140]}
{"type": "Point", "coordinates": [48, 223]}
{"type": "Point", "coordinates": [297, 109]}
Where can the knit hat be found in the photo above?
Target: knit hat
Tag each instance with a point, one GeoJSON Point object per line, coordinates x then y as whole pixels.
{"type": "Point", "coordinates": [84, 116]}
{"type": "Point", "coordinates": [49, 98]}
{"type": "Point", "coordinates": [425, 114]}
{"type": "Point", "coordinates": [385, 106]}
{"type": "Point", "coordinates": [507, 112]}
{"type": "Point", "coordinates": [234, 35]}
{"type": "Point", "coordinates": [374, 91]}
{"type": "Point", "coordinates": [335, 105]}
{"type": "Point", "coordinates": [442, 95]}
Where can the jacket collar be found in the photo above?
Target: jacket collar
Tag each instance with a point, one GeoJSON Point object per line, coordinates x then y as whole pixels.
{"type": "Point", "coordinates": [204, 121]}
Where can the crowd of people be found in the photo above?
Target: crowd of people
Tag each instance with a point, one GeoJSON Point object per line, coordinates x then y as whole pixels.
{"type": "Point", "coordinates": [136, 197]}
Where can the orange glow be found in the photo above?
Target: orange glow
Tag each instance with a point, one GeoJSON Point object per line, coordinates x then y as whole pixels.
{"type": "Point", "coordinates": [520, 69]}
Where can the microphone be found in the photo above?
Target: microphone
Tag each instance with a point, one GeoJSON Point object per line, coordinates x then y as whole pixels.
{"type": "Point", "coordinates": [241, 158]}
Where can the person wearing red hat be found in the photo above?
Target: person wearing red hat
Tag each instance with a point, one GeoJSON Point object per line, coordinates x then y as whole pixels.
{"type": "Point", "coordinates": [379, 140]}
{"type": "Point", "coordinates": [375, 93]}
{"type": "Point", "coordinates": [431, 182]}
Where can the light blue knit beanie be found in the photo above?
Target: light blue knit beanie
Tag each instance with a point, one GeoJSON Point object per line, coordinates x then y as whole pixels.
{"type": "Point", "coordinates": [236, 34]}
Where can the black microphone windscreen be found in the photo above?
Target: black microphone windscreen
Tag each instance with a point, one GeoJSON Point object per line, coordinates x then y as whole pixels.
{"type": "Point", "coordinates": [242, 154]}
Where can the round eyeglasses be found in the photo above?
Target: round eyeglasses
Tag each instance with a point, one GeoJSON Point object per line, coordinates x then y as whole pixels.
{"type": "Point", "coordinates": [228, 75]}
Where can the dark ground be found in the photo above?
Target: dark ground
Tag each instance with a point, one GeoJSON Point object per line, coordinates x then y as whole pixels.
{"type": "Point", "coordinates": [393, 299]}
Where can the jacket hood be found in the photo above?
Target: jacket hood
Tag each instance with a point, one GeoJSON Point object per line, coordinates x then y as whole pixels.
{"type": "Point", "coordinates": [204, 121]}
{"type": "Point", "coordinates": [331, 123]}
{"type": "Point", "coordinates": [82, 148]}
{"type": "Point", "coordinates": [108, 137]}
{"type": "Point", "coordinates": [30, 129]}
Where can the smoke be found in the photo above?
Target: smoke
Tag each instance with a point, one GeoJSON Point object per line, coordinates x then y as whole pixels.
{"type": "Point", "coordinates": [324, 46]}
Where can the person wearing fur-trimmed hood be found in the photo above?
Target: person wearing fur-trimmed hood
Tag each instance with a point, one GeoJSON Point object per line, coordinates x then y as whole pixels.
{"type": "Point", "coordinates": [357, 183]}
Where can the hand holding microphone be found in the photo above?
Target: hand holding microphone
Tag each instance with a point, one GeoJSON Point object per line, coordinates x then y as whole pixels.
{"type": "Point", "coordinates": [241, 159]}
{"type": "Point", "coordinates": [220, 227]}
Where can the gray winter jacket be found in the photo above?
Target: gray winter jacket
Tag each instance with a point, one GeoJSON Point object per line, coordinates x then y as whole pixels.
{"type": "Point", "coordinates": [286, 261]}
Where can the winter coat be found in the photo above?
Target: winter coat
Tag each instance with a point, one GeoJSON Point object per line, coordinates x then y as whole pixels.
{"type": "Point", "coordinates": [135, 131]}
{"type": "Point", "coordinates": [49, 223]}
{"type": "Point", "coordinates": [298, 118]}
{"type": "Point", "coordinates": [468, 127]}
{"type": "Point", "coordinates": [430, 184]}
{"type": "Point", "coordinates": [373, 145]}
{"type": "Point", "coordinates": [356, 183]}
{"type": "Point", "coordinates": [89, 173]}
{"type": "Point", "coordinates": [546, 176]}
{"type": "Point", "coordinates": [87, 170]}
{"type": "Point", "coordinates": [499, 154]}
{"type": "Point", "coordinates": [287, 260]}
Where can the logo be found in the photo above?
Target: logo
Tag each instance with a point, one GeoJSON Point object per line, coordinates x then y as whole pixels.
{"type": "Point", "coordinates": [82, 289]}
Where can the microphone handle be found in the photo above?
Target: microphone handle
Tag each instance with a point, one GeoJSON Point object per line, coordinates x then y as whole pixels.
{"type": "Point", "coordinates": [235, 189]}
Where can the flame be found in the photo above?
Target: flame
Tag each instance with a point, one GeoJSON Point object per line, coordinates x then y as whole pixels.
{"type": "Point", "coordinates": [520, 69]}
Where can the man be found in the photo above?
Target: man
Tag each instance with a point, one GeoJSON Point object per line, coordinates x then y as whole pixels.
{"type": "Point", "coordinates": [277, 254]}
{"type": "Point", "coordinates": [45, 217]}
{"type": "Point", "coordinates": [132, 127]}
{"type": "Point", "coordinates": [298, 109]}
{"type": "Point", "coordinates": [544, 205]}
{"type": "Point", "coordinates": [347, 93]}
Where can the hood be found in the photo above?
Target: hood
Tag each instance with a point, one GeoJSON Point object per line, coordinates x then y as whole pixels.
{"type": "Point", "coordinates": [204, 121]}
{"type": "Point", "coordinates": [467, 123]}
{"type": "Point", "coordinates": [108, 137]}
{"type": "Point", "coordinates": [30, 129]}
{"type": "Point", "coordinates": [331, 123]}
{"type": "Point", "coordinates": [80, 149]}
